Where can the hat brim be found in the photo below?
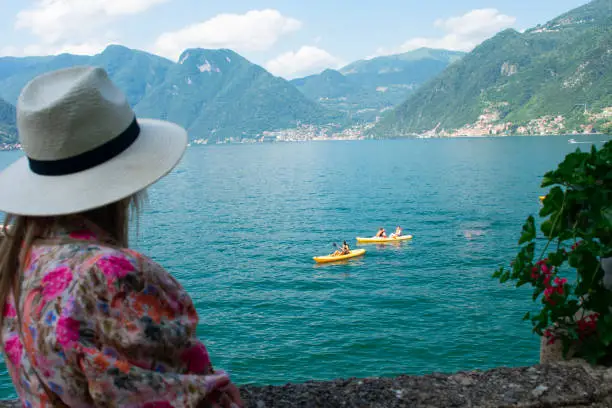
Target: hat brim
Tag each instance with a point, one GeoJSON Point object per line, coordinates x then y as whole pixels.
{"type": "Point", "coordinates": [156, 151]}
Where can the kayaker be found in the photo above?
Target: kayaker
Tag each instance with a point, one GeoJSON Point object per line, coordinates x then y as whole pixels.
{"type": "Point", "coordinates": [397, 233]}
{"type": "Point", "coordinates": [345, 248]}
{"type": "Point", "coordinates": [338, 251]}
{"type": "Point", "coordinates": [381, 233]}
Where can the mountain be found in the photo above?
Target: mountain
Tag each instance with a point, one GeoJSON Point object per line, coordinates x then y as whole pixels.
{"type": "Point", "coordinates": [15, 73]}
{"type": "Point", "coordinates": [8, 130]}
{"type": "Point", "coordinates": [215, 94]}
{"type": "Point", "coordinates": [220, 93]}
{"type": "Point", "coordinates": [538, 81]}
{"type": "Point", "coordinates": [413, 67]}
{"type": "Point", "coordinates": [338, 92]}
{"type": "Point", "coordinates": [367, 87]}
{"type": "Point", "coordinates": [135, 72]}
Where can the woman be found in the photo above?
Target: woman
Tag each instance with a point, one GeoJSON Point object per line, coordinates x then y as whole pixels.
{"type": "Point", "coordinates": [397, 233]}
{"type": "Point", "coordinates": [345, 248]}
{"type": "Point", "coordinates": [85, 320]}
{"type": "Point", "coordinates": [381, 233]}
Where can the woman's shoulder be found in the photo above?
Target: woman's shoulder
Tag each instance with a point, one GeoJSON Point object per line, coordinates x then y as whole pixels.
{"type": "Point", "coordinates": [100, 261]}
{"type": "Point", "coordinates": [117, 262]}
{"type": "Point", "coordinates": [127, 274]}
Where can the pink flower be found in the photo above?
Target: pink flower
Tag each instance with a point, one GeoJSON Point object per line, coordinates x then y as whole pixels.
{"type": "Point", "coordinates": [197, 359]}
{"type": "Point", "coordinates": [551, 290]}
{"type": "Point", "coordinates": [548, 292]}
{"type": "Point", "coordinates": [13, 350]}
{"type": "Point", "coordinates": [82, 235]}
{"type": "Point", "coordinates": [56, 281]}
{"type": "Point", "coordinates": [115, 266]}
{"type": "Point", "coordinates": [550, 336]}
{"type": "Point", "coordinates": [67, 330]}
{"type": "Point", "coordinates": [9, 310]}
{"type": "Point", "coordinates": [560, 282]}
{"type": "Point", "coordinates": [587, 326]}
{"type": "Point", "coordinates": [545, 269]}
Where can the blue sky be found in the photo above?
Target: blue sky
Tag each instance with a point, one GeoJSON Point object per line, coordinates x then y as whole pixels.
{"type": "Point", "coordinates": [290, 38]}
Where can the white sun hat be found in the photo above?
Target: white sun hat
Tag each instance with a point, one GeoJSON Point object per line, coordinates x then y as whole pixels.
{"type": "Point", "coordinates": [84, 147]}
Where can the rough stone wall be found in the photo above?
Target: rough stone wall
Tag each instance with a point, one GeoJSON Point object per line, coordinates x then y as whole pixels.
{"type": "Point", "coordinates": [568, 384]}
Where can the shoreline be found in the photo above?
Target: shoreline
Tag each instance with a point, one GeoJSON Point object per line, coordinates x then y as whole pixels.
{"type": "Point", "coordinates": [411, 137]}
{"type": "Point", "coordinates": [573, 383]}
{"type": "Point", "coordinates": [17, 146]}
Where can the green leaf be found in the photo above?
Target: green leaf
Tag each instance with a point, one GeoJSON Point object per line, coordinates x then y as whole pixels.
{"type": "Point", "coordinates": [546, 227]}
{"type": "Point", "coordinates": [529, 252]}
{"type": "Point", "coordinates": [505, 277]}
{"type": "Point", "coordinates": [553, 202]}
{"type": "Point", "coordinates": [556, 258]}
{"type": "Point", "coordinates": [522, 282]}
{"type": "Point", "coordinates": [527, 316]}
{"type": "Point", "coordinates": [529, 231]}
{"type": "Point", "coordinates": [548, 180]}
{"type": "Point", "coordinates": [606, 214]}
{"type": "Point", "coordinates": [606, 337]}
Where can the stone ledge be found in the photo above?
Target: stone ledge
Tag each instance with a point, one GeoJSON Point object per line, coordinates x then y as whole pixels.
{"type": "Point", "coordinates": [570, 384]}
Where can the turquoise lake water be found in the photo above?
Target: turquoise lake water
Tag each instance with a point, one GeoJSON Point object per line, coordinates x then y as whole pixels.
{"type": "Point", "coordinates": [238, 225]}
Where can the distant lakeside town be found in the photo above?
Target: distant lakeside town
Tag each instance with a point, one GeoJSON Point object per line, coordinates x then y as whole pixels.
{"type": "Point", "coordinates": [485, 127]}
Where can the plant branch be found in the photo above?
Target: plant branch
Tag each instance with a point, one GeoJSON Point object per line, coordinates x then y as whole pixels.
{"type": "Point", "coordinates": [554, 225]}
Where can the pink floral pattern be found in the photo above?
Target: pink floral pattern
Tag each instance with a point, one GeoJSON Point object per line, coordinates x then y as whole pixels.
{"type": "Point", "coordinates": [13, 349]}
{"type": "Point", "coordinates": [106, 327]}
{"type": "Point", "coordinates": [67, 331]}
{"type": "Point", "coordinates": [196, 359]}
{"type": "Point", "coordinates": [56, 281]}
{"type": "Point", "coordinates": [115, 266]}
{"type": "Point", "coordinates": [9, 310]}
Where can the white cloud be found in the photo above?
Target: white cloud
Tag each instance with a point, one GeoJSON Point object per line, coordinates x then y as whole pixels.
{"type": "Point", "coordinates": [256, 30]}
{"type": "Point", "coordinates": [307, 60]}
{"type": "Point", "coordinates": [58, 23]}
{"type": "Point", "coordinates": [463, 33]}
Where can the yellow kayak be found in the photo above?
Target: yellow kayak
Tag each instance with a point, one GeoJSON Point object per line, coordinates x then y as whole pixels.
{"type": "Point", "coordinates": [375, 240]}
{"type": "Point", "coordinates": [331, 258]}
{"type": "Point", "coordinates": [542, 198]}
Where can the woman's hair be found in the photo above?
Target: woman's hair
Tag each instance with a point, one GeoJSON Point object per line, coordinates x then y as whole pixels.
{"type": "Point", "coordinates": [19, 232]}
